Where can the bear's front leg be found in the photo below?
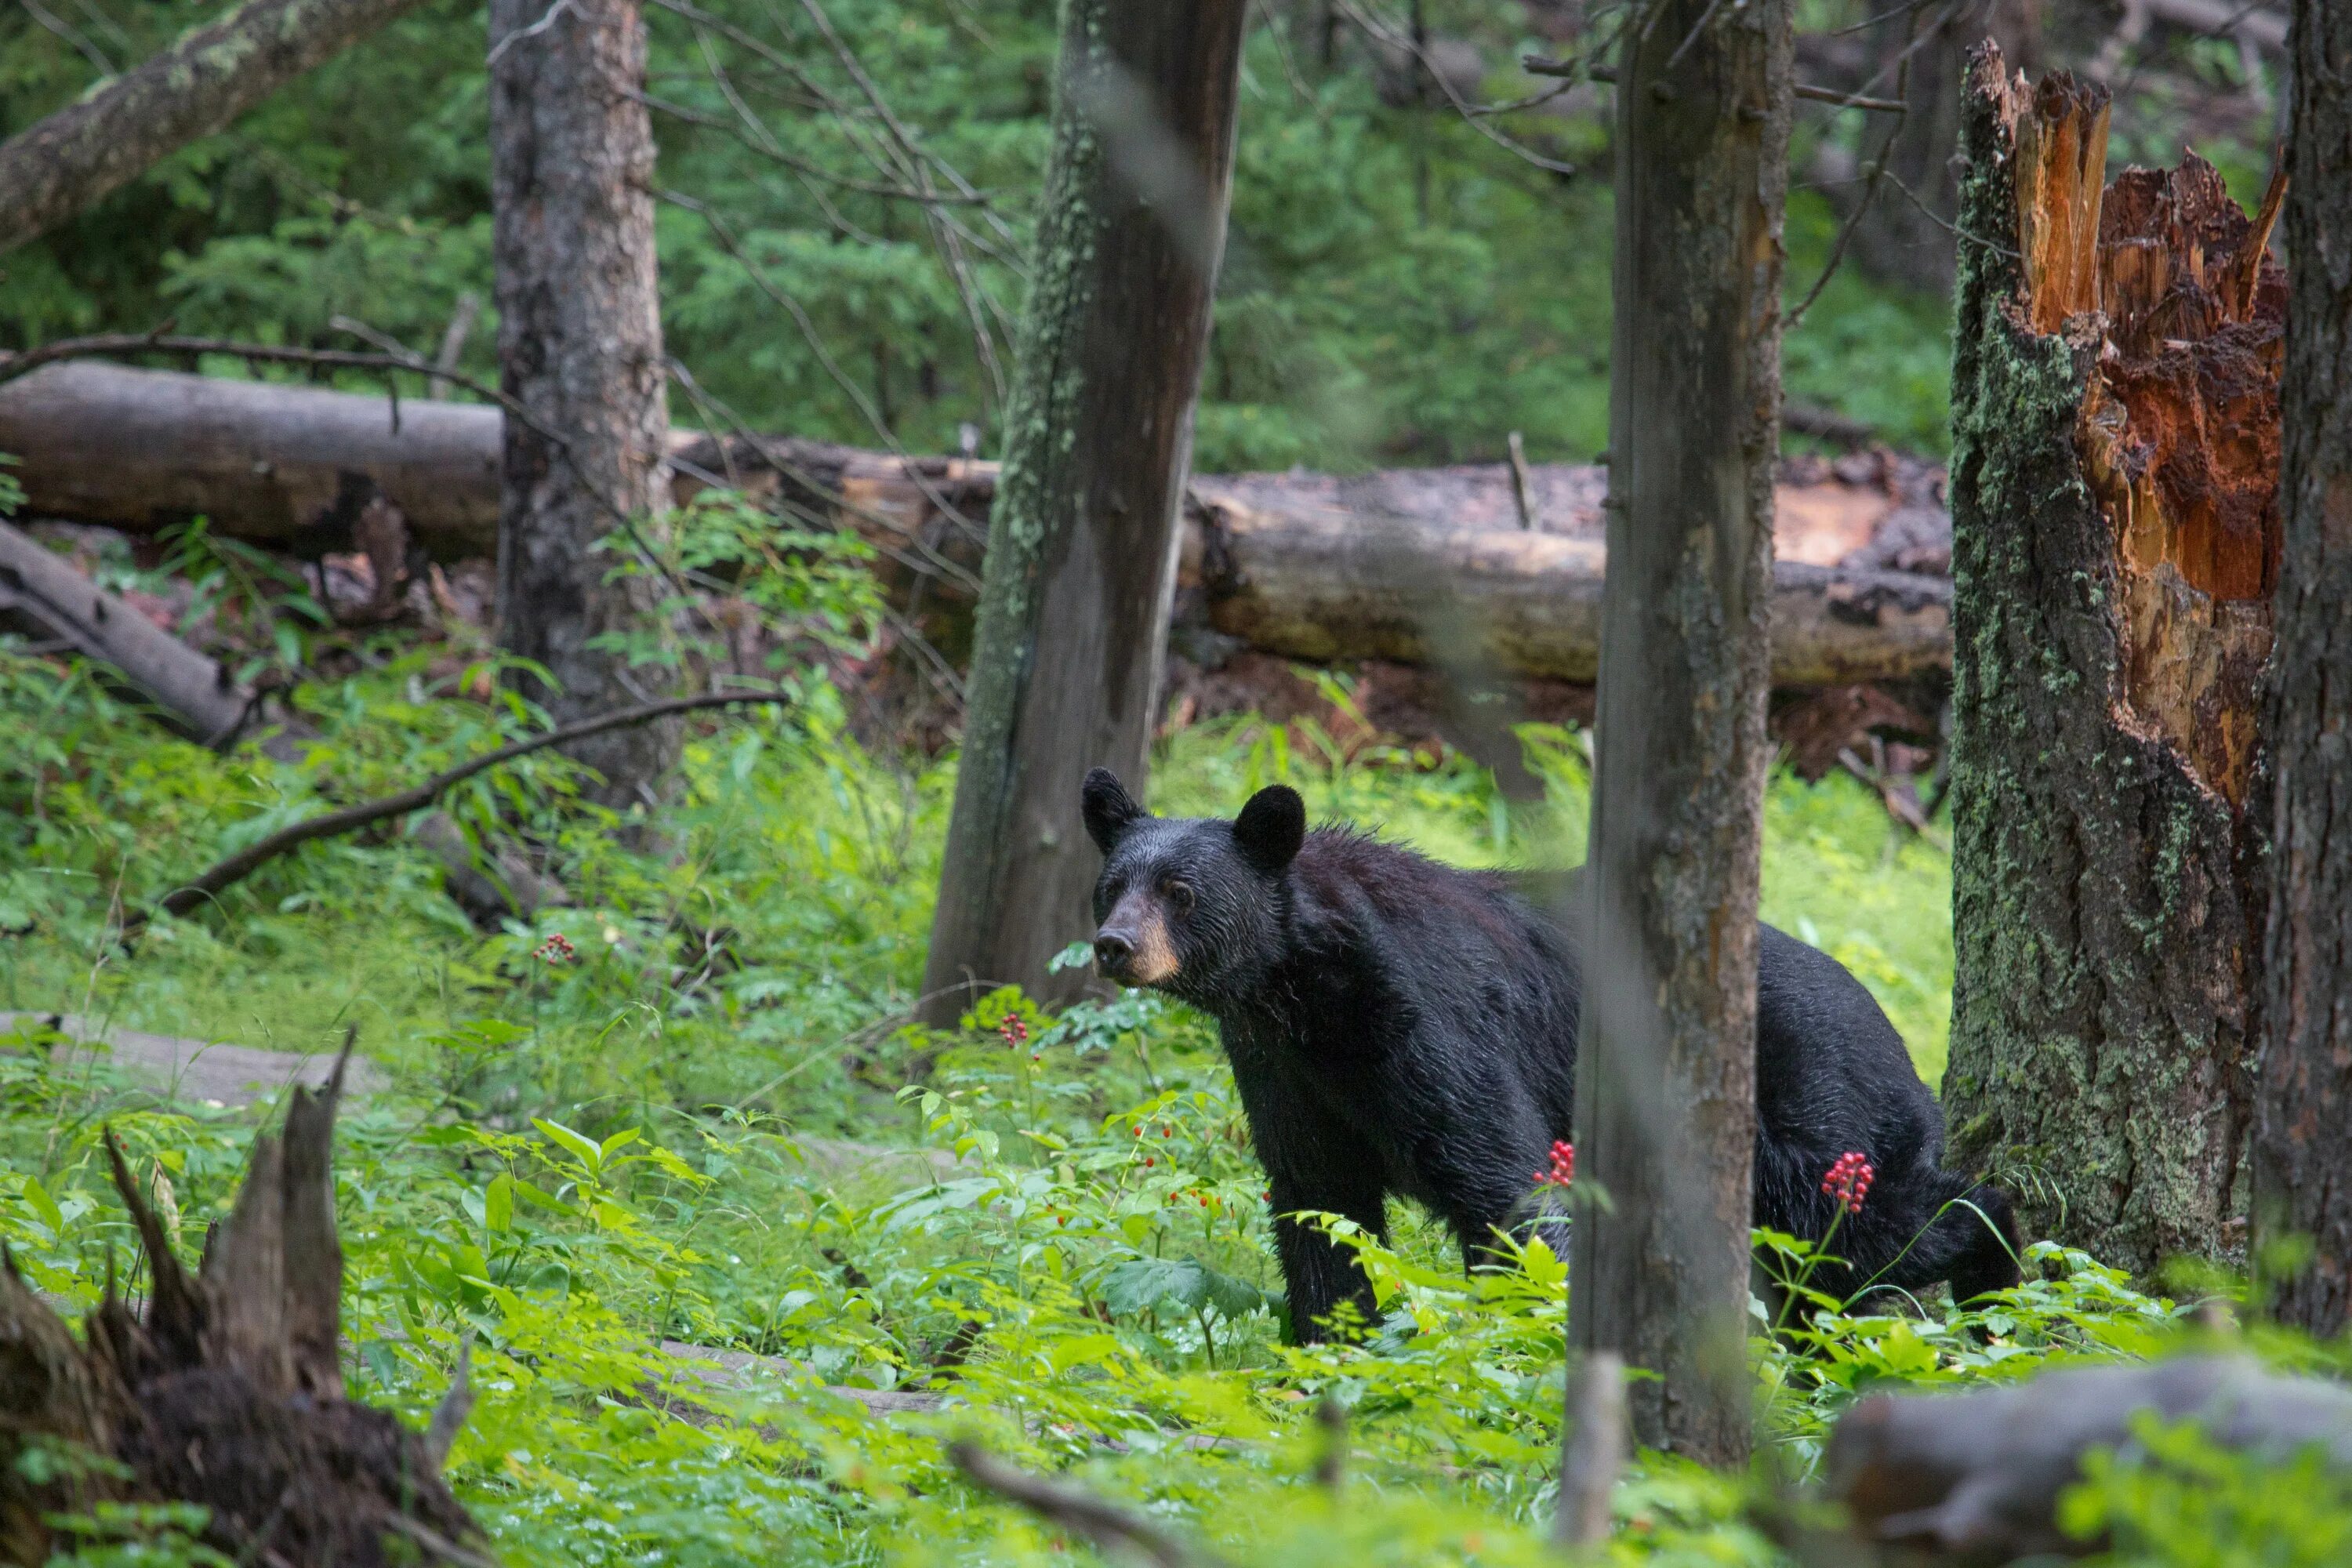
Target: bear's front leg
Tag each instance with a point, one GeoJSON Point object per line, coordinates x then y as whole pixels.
{"type": "Point", "coordinates": [1318, 1272]}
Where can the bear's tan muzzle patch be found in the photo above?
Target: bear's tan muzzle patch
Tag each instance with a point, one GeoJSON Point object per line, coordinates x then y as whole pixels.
{"type": "Point", "coordinates": [1143, 920]}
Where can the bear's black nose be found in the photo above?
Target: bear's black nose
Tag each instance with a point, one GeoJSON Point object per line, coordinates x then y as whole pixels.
{"type": "Point", "coordinates": [1113, 951]}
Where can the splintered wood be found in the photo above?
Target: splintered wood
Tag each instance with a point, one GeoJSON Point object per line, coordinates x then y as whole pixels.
{"type": "Point", "coordinates": [2170, 282]}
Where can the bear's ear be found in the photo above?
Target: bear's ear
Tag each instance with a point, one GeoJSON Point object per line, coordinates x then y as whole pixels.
{"type": "Point", "coordinates": [1271, 828]}
{"type": "Point", "coordinates": [1107, 806]}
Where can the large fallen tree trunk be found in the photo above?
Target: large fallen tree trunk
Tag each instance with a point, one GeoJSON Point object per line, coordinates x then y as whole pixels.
{"type": "Point", "coordinates": [1443, 567]}
{"type": "Point", "coordinates": [43, 596]}
{"type": "Point", "coordinates": [56, 167]}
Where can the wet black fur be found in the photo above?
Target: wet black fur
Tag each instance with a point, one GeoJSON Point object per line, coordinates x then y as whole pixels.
{"type": "Point", "coordinates": [1399, 1028]}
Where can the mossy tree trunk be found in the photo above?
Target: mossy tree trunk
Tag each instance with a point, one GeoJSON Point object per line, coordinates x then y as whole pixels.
{"type": "Point", "coordinates": [1081, 542]}
{"type": "Point", "coordinates": [1666, 1079]}
{"type": "Point", "coordinates": [2115, 411]}
{"type": "Point", "coordinates": [580, 347]}
{"type": "Point", "coordinates": [2303, 1142]}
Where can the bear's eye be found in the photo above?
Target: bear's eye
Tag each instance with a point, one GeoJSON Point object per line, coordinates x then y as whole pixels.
{"type": "Point", "coordinates": [1180, 895]}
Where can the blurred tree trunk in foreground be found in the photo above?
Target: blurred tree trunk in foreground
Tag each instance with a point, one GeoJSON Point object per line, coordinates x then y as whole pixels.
{"type": "Point", "coordinates": [2115, 540]}
{"type": "Point", "coordinates": [1082, 537]}
{"type": "Point", "coordinates": [580, 347]}
{"type": "Point", "coordinates": [1665, 1083]}
{"type": "Point", "coordinates": [2302, 1141]}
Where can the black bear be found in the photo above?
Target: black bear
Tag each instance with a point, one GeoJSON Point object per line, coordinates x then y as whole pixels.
{"type": "Point", "coordinates": [1400, 1027]}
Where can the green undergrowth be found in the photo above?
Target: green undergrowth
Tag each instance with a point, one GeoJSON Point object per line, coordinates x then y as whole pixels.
{"type": "Point", "coordinates": [677, 1133]}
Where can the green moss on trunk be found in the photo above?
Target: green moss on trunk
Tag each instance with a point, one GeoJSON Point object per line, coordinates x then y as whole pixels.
{"type": "Point", "coordinates": [2101, 916]}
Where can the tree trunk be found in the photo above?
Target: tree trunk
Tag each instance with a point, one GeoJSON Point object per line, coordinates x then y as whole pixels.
{"type": "Point", "coordinates": [1665, 1082]}
{"type": "Point", "coordinates": [50, 171]}
{"type": "Point", "coordinates": [1082, 540]}
{"type": "Point", "coordinates": [580, 346]}
{"type": "Point", "coordinates": [2115, 545]}
{"type": "Point", "coordinates": [2302, 1141]}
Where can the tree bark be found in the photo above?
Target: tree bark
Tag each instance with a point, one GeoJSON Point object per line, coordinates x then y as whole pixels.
{"type": "Point", "coordinates": [2116, 541]}
{"type": "Point", "coordinates": [580, 346]}
{"type": "Point", "coordinates": [1381, 565]}
{"type": "Point", "coordinates": [50, 171]}
{"type": "Point", "coordinates": [1665, 1078]}
{"type": "Point", "coordinates": [2303, 1141]}
{"type": "Point", "coordinates": [228, 1390]}
{"type": "Point", "coordinates": [1082, 539]}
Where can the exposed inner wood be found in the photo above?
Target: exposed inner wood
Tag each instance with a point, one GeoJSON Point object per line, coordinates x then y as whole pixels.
{"type": "Point", "coordinates": [2168, 282]}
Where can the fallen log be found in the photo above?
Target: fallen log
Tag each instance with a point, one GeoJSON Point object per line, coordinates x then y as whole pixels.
{"type": "Point", "coordinates": [1975, 1477]}
{"type": "Point", "coordinates": [57, 166]}
{"type": "Point", "coordinates": [1432, 567]}
{"type": "Point", "coordinates": [41, 593]}
{"type": "Point", "coordinates": [227, 1392]}
{"type": "Point", "coordinates": [226, 873]}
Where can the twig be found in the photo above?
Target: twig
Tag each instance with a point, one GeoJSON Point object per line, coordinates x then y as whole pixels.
{"type": "Point", "coordinates": [1523, 483]}
{"type": "Point", "coordinates": [1847, 229]}
{"type": "Point", "coordinates": [1073, 1509]}
{"type": "Point", "coordinates": [453, 342]}
{"type": "Point", "coordinates": [1467, 110]}
{"type": "Point", "coordinates": [1595, 1451]}
{"type": "Point", "coordinates": [449, 1415]}
{"type": "Point", "coordinates": [1536, 65]}
{"type": "Point", "coordinates": [1331, 1460]}
{"type": "Point", "coordinates": [228, 872]}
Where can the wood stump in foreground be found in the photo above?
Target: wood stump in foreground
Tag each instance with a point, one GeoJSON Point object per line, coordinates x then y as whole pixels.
{"type": "Point", "coordinates": [2116, 544]}
{"type": "Point", "coordinates": [225, 1392]}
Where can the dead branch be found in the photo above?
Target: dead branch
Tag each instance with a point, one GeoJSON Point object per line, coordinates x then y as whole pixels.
{"type": "Point", "coordinates": [233, 869]}
{"type": "Point", "coordinates": [1073, 1508]}
{"type": "Point", "coordinates": [61, 165]}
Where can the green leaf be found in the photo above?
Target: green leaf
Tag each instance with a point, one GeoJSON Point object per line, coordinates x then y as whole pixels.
{"type": "Point", "coordinates": [584, 1149]}
{"type": "Point", "coordinates": [45, 1205]}
{"type": "Point", "coordinates": [497, 1205]}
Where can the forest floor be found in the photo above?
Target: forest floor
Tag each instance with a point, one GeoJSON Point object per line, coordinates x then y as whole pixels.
{"type": "Point", "coordinates": [666, 1138]}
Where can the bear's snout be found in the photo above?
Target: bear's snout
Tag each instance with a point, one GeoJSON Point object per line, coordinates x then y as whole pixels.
{"type": "Point", "coordinates": [1134, 947]}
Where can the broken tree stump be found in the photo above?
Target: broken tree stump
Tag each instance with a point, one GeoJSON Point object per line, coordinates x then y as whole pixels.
{"type": "Point", "coordinates": [226, 1391]}
{"type": "Point", "coordinates": [2116, 541]}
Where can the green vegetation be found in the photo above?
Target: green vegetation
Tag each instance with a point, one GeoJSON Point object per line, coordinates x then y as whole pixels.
{"type": "Point", "coordinates": [584, 1156]}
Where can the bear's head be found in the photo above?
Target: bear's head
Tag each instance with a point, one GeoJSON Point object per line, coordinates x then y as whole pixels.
{"type": "Point", "coordinates": [1190, 905]}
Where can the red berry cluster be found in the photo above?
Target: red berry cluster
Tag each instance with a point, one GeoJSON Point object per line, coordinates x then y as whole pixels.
{"type": "Point", "coordinates": [1849, 1180]}
{"type": "Point", "coordinates": [1563, 1167]}
{"type": "Point", "coordinates": [1015, 1031]}
{"type": "Point", "coordinates": [556, 949]}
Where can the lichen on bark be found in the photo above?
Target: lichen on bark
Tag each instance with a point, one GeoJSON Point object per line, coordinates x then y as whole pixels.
{"type": "Point", "coordinates": [2104, 915]}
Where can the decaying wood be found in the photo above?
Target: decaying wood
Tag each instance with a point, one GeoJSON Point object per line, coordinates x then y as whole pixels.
{"type": "Point", "coordinates": [41, 591]}
{"type": "Point", "coordinates": [1069, 1506]}
{"type": "Point", "coordinates": [1975, 1477]}
{"type": "Point", "coordinates": [1422, 566]}
{"type": "Point", "coordinates": [56, 167]}
{"type": "Point", "coordinates": [226, 873]}
{"type": "Point", "coordinates": [226, 1391]}
{"type": "Point", "coordinates": [2115, 547]}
